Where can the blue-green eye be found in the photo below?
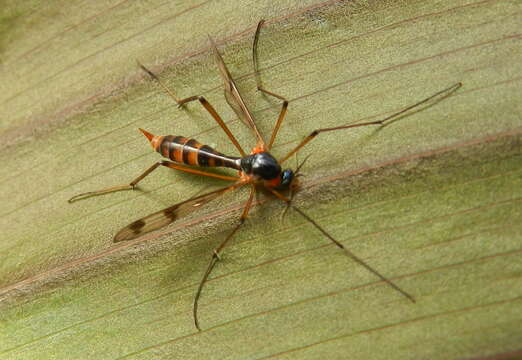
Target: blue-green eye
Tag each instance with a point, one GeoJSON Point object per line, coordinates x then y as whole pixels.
{"type": "Point", "coordinates": [286, 178]}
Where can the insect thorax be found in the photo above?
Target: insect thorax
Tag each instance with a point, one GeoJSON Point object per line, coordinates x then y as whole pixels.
{"type": "Point", "coordinates": [262, 165]}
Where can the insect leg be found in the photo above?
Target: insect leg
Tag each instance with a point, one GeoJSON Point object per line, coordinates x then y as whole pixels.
{"type": "Point", "coordinates": [133, 183]}
{"type": "Point", "coordinates": [443, 94]}
{"type": "Point", "coordinates": [169, 92]}
{"type": "Point", "coordinates": [340, 245]}
{"type": "Point", "coordinates": [203, 102]}
{"type": "Point", "coordinates": [318, 131]}
{"type": "Point", "coordinates": [278, 124]}
{"type": "Point", "coordinates": [175, 166]}
{"type": "Point", "coordinates": [262, 89]}
{"type": "Point", "coordinates": [221, 123]}
{"type": "Point", "coordinates": [256, 68]}
{"type": "Point", "coordinates": [215, 254]}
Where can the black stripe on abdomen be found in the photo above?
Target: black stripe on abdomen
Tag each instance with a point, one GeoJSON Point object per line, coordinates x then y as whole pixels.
{"type": "Point", "coordinates": [190, 152]}
{"type": "Point", "coordinates": [164, 147]}
{"type": "Point", "coordinates": [205, 157]}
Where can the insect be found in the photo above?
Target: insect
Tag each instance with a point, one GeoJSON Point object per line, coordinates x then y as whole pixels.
{"type": "Point", "coordinates": [259, 168]}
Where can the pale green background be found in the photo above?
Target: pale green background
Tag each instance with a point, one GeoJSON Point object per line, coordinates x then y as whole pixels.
{"type": "Point", "coordinates": [432, 201]}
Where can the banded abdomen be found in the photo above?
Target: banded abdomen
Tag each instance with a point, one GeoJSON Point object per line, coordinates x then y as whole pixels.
{"type": "Point", "coordinates": [189, 151]}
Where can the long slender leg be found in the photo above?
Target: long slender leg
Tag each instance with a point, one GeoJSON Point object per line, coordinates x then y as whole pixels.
{"type": "Point", "coordinates": [203, 102]}
{"type": "Point", "coordinates": [133, 183]}
{"type": "Point", "coordinates": [348, 252]}
{"type": "Point", "coordinates": [262, 89]}
{"type": "Point", "coordinates": [221, 123]}
{"type": "Point", "coordinates": [278, 124]}
{"type": "Point", "coordinates": [215, 255]}
{"type": "Point", "coordinates": [256, 68]}
{"type": "Point", "coordinates": [318, 131]}
{"type": "Point", "coordinates": [175, 166]}
{"type": "Point", "coordinates": [165, 87]}
{"type": "Point", "coordinates": [445, 93]}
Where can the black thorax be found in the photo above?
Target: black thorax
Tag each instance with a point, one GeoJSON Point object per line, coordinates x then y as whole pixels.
{"type": "Point", "coordinates": [262, 165]}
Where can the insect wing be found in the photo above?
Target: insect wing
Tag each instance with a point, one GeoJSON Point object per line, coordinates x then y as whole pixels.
{"type": "Point", "coordinates": [233, 96]}
{"type": "Point", "coordinates": [164, 217]}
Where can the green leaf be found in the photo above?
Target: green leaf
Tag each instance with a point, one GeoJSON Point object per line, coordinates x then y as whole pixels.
{"type": "Point", "coordinates": [432, 201]}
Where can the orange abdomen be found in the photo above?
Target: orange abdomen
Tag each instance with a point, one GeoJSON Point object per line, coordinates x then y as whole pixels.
{"type": "Point", "coordinates": [189, 151]}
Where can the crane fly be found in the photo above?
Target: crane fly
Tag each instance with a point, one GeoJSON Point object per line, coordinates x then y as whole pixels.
{"type": "Point", "coordinates": [258, 168]}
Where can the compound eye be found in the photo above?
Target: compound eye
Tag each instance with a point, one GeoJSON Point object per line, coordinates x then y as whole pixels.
{"type": "Point", "coordinates": [286, 177]}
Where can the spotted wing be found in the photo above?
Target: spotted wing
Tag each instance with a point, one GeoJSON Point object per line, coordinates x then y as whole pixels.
{"type": "Point", "coordinates": [233, 96]}
{"type": "Point", "coordinates": [164, 217]}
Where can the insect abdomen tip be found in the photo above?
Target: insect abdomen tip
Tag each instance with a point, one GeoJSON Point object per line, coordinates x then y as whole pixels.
{"type": "Point", "coordinates": [147, 134]}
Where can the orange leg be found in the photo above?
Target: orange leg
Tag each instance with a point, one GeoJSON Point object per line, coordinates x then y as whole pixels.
{"type": "Point", "coordinates": [437, 96]}
{"type": "Point", "coordinates": [215, 254]}
{"type": "Point", "coordinates": [203, 102]}
{"type": "Point", "coordinates": [133, 183]}
{"type": "Point", "coordinates": [318, 131]}
{"type": "Point", "coordinates": [262, 89]}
